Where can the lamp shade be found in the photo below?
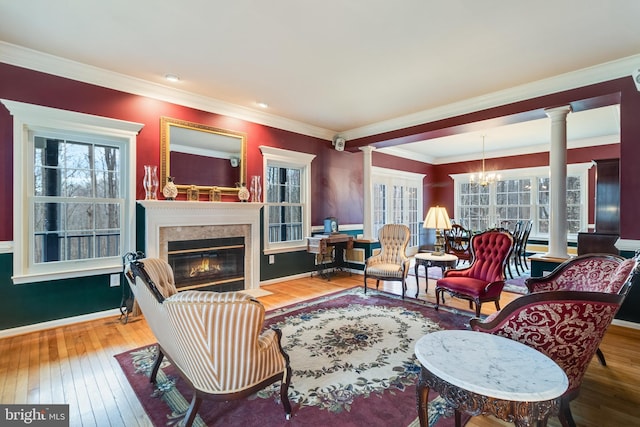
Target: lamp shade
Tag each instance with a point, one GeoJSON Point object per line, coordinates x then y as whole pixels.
{"type": "Point", "coordinates": [437, 218]}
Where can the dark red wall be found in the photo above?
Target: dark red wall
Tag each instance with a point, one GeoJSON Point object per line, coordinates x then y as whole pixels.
{"type": "Point", "coordinates": [336, 176]}
{"type": "Point", "coordinates": [331, 192]}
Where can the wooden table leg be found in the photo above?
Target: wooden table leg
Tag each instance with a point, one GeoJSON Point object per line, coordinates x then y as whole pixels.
{"type": "Point", "coordinates": [422, 397]}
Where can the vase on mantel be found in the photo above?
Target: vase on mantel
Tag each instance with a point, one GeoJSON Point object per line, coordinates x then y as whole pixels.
{"type": "Point", "coordinates": [256, 189]}
{"type": "Point", "coordinates": [243, 193]}
{"type": "Point", "coordinates": [170, 191]}
{"type": "Point", "coordinates": [150, 182]}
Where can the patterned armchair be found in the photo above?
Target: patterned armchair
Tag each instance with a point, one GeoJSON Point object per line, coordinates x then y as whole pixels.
{"type": "Point", "coordinates": [567, 326]}
{"type": "Point", "coordinates": [196, 330]}
{"type": "Point", "coordinates": [484, 279]}
{"type": "Point", "coordinates": [392, 262]}
{"type": "Point", "coordinates": [592, 273]}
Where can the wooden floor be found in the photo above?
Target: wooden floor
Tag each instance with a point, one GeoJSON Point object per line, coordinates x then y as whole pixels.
{"type": "Point", "coordinates": [75, 365]}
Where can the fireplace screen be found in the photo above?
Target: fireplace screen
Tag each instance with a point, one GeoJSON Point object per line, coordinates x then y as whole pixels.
{"type": "Point", "coordinates": [211, 264]}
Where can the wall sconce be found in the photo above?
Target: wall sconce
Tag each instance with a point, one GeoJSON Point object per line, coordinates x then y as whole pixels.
{"type": "Point", "coordinates": [438, 219]}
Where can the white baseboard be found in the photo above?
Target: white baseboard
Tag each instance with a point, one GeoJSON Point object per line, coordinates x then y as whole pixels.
{"type": "Point", "coordinates": [5, 333]}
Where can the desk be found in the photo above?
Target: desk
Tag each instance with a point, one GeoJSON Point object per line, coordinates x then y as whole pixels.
{"type": "Point", "coordinates": [331, 249]}
{"type": "Point", "coordinates": [427, 259]}
{"type": "Point", "coordinates": [481, 373]}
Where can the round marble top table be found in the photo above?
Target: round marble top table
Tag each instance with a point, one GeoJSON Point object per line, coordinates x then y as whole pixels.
{"type": "Point", "coordinates": [463, 365]}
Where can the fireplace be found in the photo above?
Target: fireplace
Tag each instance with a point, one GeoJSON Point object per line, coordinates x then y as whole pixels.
{"type": "Point", "coordinates": [220, 235]}
{"type": "Point", "coordinates": [208, 264]}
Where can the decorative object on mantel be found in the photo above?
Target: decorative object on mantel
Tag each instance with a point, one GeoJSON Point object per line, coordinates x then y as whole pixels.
{"type": "Point", "coordinates": [215, 195]}
{"type": "Point", "coordinates": [243, 193]}
{"type": "Point", "coordinates": [256, 189]}
{"type": "Point", "coordinates": [193, 194]}
{"type": "Point", "coordinates": [170, 191]}
{"type": "Point", "coordinates": [150, 182]}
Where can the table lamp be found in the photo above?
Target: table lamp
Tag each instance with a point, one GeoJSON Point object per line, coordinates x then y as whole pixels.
{"type": "Point", "coordinates": [438, 219]}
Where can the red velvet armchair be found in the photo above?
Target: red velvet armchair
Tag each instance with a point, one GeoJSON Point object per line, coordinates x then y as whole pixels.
{"type": "Point", "coordinates": [484, 279]}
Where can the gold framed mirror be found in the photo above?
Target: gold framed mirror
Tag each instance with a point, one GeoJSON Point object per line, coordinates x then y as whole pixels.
{"type": "Point", "coordinates": [209, 158]}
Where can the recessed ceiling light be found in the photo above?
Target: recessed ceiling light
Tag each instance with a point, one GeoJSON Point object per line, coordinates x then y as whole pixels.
{"type": "Point", "coordinates": [172, 78]}
{"type": "Point", "coordinates": [262, 104]}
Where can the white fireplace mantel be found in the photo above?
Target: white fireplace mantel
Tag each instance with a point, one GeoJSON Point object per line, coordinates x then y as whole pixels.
{"type": "Point", "coordinates": [170, 214]}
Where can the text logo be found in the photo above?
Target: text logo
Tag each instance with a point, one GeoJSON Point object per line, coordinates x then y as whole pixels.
{"type": "Point", "coordinates": [34, 415]}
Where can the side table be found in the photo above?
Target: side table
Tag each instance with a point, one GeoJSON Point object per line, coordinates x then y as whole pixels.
{"type": "Point", "coordinates": [428, 259]}
{"type": "Point", "coordinates": [481, 373]}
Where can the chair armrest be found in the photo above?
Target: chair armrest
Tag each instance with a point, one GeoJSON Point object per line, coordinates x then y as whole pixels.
{"type": "Point", "coordinates": [494, 288]}
{"type": "Point", "coordinates": [457, 272]}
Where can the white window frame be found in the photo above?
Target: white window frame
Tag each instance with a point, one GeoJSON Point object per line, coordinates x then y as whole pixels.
{"type": "Point", "coordinates": [28, 118]}
{"type": "Point", "coordinates": [576, 169]}
{"type": "Point", "coordinates": [394, 177]}
{"type": "Point", "coordinates": [278, 157]}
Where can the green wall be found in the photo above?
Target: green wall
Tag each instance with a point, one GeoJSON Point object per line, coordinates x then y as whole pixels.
{"type": "Point", "coordinates": [31, 303]}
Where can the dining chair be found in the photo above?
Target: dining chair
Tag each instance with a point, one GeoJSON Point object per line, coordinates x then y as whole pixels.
{"type": "Point", "coordinates": [458, 242]}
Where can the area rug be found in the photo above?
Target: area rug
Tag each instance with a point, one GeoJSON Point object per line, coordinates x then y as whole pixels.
{"type": "Point", "coordinates": [353, 364]}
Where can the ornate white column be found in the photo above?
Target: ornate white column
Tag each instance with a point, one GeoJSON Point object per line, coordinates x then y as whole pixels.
{"type": "Point", "coordinates": [367, 184]}
{"type": "Point", "coordinates": [558, 182]}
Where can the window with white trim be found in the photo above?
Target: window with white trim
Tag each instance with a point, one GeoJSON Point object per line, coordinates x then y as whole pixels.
{"type": "Point", "coordinates": [397, 199]}
{"type": "Point", "coordinates": [521, 194]}
{"type": "Point", "coordinates": [74, 197]}
{"type": "Point", "coordinates": [287, 212]}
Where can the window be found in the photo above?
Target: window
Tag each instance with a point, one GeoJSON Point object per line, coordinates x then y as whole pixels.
{"type": "Point", "coordinates": [76, 199]}
{"type": "Point", "coordinates": [521, 194]}
{"type": "Point", "coordinates": [397, 199]}
{"type": "Point", "coordinates": [74, 212]}
{"type": "Point", "coordinates": [287, 214]}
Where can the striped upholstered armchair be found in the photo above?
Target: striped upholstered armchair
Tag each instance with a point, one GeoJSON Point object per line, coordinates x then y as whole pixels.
{"type": "Point", "coordinates": [392, 262]}
{"type": "Point", "coordinates": [195, 331]}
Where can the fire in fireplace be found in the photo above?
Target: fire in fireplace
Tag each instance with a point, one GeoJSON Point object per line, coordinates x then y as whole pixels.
{"type": "Point", "coordinates": [211, 264]}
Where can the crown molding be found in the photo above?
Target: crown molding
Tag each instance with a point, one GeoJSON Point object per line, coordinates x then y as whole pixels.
{"type": "Point", "coordinates": [50, 64]}
{"type": "Point", "coordinates": [572, 80]}
{"type": "Point", "coordinates": [46, 63]}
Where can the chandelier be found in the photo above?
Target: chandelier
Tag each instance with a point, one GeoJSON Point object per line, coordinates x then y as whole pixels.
{"type": "Point", "coordinates": [483, 178]}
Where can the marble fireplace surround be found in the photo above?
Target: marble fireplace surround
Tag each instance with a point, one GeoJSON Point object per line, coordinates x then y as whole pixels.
{"type": "Point", "coordinates": [167, 221]}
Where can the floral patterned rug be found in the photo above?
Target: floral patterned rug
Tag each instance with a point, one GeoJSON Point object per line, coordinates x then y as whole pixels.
{"type": "Point", "coordinates": [353, 364]}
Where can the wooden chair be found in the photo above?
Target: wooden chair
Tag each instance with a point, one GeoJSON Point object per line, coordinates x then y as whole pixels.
{"type": "Point", "coordinates": [458, 242]}
{"type": "Point", "coordinates": [198, 331]}
{"type": "Point", "coordinates": [516, 233]}
{"type": "Point", "coordinates": [484, 279]}
{"type": "Point", "coordinates": [392, 262]}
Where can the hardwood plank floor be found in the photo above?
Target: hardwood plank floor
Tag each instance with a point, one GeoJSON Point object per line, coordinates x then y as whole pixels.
{"type": "Point", "coordinates": [75, 364]}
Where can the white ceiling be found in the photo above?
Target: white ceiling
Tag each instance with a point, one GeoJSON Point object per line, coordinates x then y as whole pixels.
{"type": "Point", "coordinates": [342, 66]}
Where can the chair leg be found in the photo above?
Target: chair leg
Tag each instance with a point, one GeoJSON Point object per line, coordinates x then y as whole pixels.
{"type": "Point", "coordinates": [601, 358]}
{"type": "Point", "coordinates": [377, 284]}
{"type": "Point", "coordinates": [478, 306]}
{"type": "Point", "coordinates": [566, 419]}
{"type": "Point", "coordinates": [365, 282]}
{"type": "Point", "coordinates": [284, 394]}
{"type": "Point", "coordinates": [404, 287]}
{"type": "Point", "coordinates": [438, 292]}
{"type": "Point", "coordinates": [156, 365]}
{"type": "Point", "coordinates": [497, 302]}
{"type": "Point", "coordinates": [193, 410]}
